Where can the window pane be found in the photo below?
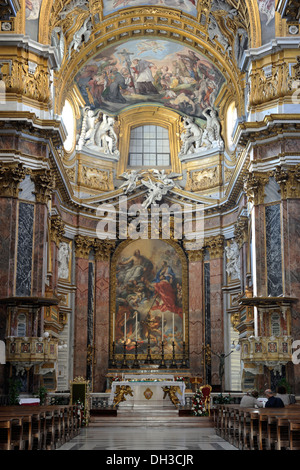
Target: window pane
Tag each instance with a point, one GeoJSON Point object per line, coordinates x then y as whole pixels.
{"type": "Point", "coordinates": [149, 146]}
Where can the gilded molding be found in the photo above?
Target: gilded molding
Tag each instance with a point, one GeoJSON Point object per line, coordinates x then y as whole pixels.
{"type": "Point", "coordinates": [10, 178]}
{"type": "Point", "coordinates": [195, 255]}
{"type": "Point", "coordinates": [235, 320]}
{"type": "Point", "coordinates": [269, 82]}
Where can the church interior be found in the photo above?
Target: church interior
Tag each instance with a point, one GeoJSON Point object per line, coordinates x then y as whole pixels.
{"type": "Point", "coordinates": [154, 148]}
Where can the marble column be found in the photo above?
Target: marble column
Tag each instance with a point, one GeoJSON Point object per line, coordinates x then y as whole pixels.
{"type": "Point", "coordinates": [196, 312]}
{"type": "Point", "coordinates": [102, 312]}
{"type": "Point", "coordinates": [10, 178]}
{"type": "Point", "coordinates": [83, 247]}
{"type": "Point", "coordinates": [215, 246]}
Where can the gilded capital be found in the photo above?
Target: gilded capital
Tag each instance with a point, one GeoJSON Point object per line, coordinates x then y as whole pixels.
{"type": "Point", "coordinates": [289, 181]}
{"type": "Point", "coordinates": [44, 185]}
{"type": "Point", "coordinates": [10, 178]}
{"type": "Point", "coordinates": [57, 229]}
{"type": "Point", "coordinates": [215, 246]}
{"type": "Point", "coordinates": [241, 231]}
{"type": "Point", "coordinates": [83, 246]}
{"type": "Point", "coordinates": [103, 249]}
{"type": "Point", "coordinates": [254, 186]}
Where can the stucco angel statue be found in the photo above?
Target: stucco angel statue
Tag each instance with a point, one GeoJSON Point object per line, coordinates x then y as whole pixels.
{"type": "Point", "coordinates": [156, 191]}
{"type": "Point", "coordinates": [131, 181]}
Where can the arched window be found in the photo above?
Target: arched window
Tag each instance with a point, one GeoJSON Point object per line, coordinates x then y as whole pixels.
{"type": "Point", "coordinates": [149, 146]}
{"type": "Point", "coordinates": [21, 326]}
{"type": "Point", "coordinates": [69, 121]}
{"type": "Point", "coordinates": [275, 324]}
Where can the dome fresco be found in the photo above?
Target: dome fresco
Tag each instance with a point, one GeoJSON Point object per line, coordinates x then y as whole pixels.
{"type": "Point", "coordinates": [150, 71]}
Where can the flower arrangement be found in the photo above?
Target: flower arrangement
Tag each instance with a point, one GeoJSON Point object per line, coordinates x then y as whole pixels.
{"type": "Point", "coordinates": [116, 379]}
{"type": "Point", "coordinates": [179, 379]}
{"type": "Point", "coordinates": [222, 399]}
{"type": "Point", "coordinates": [198, 408]}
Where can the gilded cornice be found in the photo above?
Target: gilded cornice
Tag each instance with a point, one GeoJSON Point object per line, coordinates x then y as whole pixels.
{"type": "Point", "coordinates": [11, 176]}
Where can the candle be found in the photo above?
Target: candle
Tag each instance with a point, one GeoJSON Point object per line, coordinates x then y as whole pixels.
{"type": "Point", "coordinates": [162, 327]}
{"type": "Point", "coordinates": [125, 329]}
{"type": "Point", "coordinates": [183, 327]}
{"type": "Point", "coordinates": [173, 327]}
{"type": "Point", "coordinates": [114, 327]}
{"type": "Point", "coordinates": [136, 326]}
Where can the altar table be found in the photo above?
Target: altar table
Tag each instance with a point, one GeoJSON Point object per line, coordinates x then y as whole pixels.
{"type": "Point", "coordinates": [148, 393]}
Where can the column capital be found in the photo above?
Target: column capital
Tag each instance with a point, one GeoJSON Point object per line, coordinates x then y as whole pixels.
{"type": "Point", "coordinates": [57, 229]}
{"type": "Point", "coordinates": [103, 249]}
{"type": "Point", "coordinates": [241, 230]}
{"type": "Point", "coordinates": [289, 181]}
{"type": "Point", "coordinates": [254, 186]}
{"type": "Point", "coordinates": [83, 246]}
{"type": "Point", "coordinates": [44, 185]}
{"type": "Point", "coordinates": [215, 246]}
{"type": "Point", "coordinates": [11, 176]}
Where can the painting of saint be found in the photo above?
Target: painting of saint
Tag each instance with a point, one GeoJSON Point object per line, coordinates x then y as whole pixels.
{"type": "Point", "coordinates": [188, 6]}
{"type": "Point", "coordinates": [150, 71]}
{"type": "Point", "coordinates": [148, 297]}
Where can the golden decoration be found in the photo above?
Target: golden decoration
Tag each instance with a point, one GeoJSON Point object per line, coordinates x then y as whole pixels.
{"type": "Point", "coordinates": [148, 393]}
{"type": "Point", "coordinates": [241, 230]}
{"type": "Point", "coordinates": [215, 246]}
{"type": "Point", "coordinates": [254, 186]}
{"type": "Point", "coordinates": [171, 393]}
{"type": "Point", "coordinates": [289, 181]}
{"type": "Point", "coordinates": [11, 176]}
{"type": "Point", "coordinates": [121, 391]}
{"type": "Point", "coordinates": [57, 229]}
{"type": "Point", "coordinates": [44, 185]}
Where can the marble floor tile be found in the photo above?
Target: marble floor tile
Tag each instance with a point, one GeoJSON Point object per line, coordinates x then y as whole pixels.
{"type": "Point", "coordinates": [147, 438]}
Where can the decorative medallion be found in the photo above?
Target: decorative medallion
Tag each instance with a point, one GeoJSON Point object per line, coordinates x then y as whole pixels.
{"type": "Point", "coordinates": [148, 394]}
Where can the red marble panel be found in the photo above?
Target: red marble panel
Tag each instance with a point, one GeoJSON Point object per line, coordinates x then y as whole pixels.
{"type": "Point", "coordinates": [81, 310]}
{"type": "Point", "coordinates": [260, 249]}
{"type": "Point", "coordinates": [8, 217]}
{"type": "Point", "coordinates": [195, 320]}
{"type": "Point", "coordinates": [102, 324]}
{"type": "Point", "coordinates": [216, 315]}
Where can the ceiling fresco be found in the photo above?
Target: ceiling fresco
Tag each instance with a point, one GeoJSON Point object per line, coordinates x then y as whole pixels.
{"type": "Point", "coordinates": [150, 71]}
{"type": "Point", "coordinates": [187, 6]}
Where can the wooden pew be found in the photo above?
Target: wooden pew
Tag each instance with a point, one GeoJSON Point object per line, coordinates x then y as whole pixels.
{"type": "Point", "coordinates": [294, 434]}
{"type": "Point", "coordinates": [43, 427]}
{"type": "Point", "coordinates": [13, 439]}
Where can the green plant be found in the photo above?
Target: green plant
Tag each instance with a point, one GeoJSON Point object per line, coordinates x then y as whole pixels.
{"type": "Point", "coordinates": [14, 388]}
{"type": "Point", "coordinates": [42, 395]}
{"type": "Point", "coordinates": [222, 399]}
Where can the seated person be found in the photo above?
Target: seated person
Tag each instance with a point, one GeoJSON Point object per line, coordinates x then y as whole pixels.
{"type": "Point", "coordinates": [273, 402]}
{"type": "Point", "coordinates": [281, 393]}
{"type": "Point", "coordinates": [250, 400]}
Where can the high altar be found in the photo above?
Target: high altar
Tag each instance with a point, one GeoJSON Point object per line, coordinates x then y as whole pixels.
{"type": "Point", "coordinates": [140, 391]}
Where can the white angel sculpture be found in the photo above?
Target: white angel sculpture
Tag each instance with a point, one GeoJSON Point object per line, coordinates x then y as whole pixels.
{"type": "Point", "coordinates": [156, 191]}
{"type": "Point", "coordinates": [131, 181]}
{"type": "Point", "coordinates": [166, 178]}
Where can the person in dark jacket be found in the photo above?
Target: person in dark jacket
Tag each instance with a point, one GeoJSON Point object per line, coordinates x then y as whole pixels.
{"type": "Point", "coordinates": [273, 402]}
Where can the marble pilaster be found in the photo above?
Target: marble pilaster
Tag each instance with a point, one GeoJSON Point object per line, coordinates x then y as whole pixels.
{"type": "Point", "coordinates": [195, 320]}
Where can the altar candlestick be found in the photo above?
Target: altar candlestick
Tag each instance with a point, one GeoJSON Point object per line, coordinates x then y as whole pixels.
{"type": "Point", "coordinates": [162, 327]}
{"type": "Point", "coordinates": [183, 326]}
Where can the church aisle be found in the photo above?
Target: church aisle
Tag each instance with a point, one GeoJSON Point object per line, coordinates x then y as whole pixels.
{"type": "Point", "coordinates": [147, 438]}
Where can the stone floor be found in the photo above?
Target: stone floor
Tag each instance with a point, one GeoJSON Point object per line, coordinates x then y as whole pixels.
{"type": "Point", "coordinates": [171, 438]}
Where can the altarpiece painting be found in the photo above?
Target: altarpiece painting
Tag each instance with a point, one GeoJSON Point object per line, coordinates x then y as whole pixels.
{"type": "Point", "coordinates": [149, 298]}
